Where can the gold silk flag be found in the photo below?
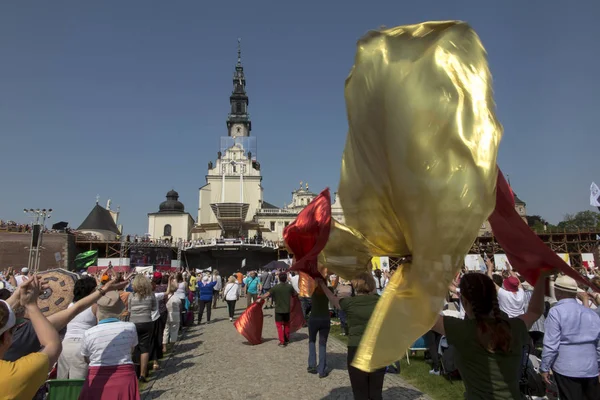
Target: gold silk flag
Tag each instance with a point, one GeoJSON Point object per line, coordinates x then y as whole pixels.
{"type": "Point", "coordinates": [306, 285]}
{"type": "Point", "coordinates": [418, 172]}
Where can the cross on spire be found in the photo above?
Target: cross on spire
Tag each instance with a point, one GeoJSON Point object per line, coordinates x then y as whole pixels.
{"type": "Point", "coordinates": [239, 60]}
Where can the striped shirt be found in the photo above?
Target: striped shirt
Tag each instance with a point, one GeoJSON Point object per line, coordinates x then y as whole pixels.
{"type": "Point", "coordinates": [109, 344]}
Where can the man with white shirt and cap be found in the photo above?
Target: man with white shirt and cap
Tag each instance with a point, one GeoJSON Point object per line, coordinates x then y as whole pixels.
{"type": "Point", "coordinates": [572, 345]}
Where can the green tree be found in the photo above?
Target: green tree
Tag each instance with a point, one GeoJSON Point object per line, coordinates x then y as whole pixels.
{"type": "Point", "coordinates": [537, 224]}
{"type": "Point", "coordinates": [581, 220]}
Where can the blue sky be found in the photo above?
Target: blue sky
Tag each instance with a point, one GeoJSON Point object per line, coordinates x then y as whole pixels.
{"type": "Point", "coordinates": [128, 99]}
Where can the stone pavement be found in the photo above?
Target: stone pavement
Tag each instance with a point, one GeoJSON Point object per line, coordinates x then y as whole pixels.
{"type": "Point", "coordinates": [215, 362]}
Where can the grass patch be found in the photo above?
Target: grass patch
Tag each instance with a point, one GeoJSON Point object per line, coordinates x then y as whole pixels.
{"type": "Point", "coordinates": [417, 374]}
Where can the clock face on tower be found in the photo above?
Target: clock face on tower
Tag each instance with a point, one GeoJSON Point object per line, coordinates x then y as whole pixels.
{"type": "Point", "coordinates": [238, 130]}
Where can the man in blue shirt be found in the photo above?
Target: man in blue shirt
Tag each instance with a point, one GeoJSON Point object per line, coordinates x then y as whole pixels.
{"type": "Point", "coordinates": [253, 287]}
{"type": "Point", "coordinates": [572, 345]}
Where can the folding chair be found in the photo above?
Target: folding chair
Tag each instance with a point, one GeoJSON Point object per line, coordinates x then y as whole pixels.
{"type": "Point", "coordinates": [419, 345]}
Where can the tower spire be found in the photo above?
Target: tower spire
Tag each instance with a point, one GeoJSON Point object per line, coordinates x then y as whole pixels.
{"type": "Point", "coordinates": [238, 120]}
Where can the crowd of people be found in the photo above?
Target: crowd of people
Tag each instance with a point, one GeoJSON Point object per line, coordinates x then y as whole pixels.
{"type": "Point", "coordinates": [114, 328]}
{"type": "Point", "coordinates": [12, 226]}
{"type": "Point", "coordinates": [503, 337]}
{"type": "Point", "coordinates": [118, 327]}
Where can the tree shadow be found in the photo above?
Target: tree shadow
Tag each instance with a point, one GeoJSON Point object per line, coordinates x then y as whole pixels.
{"type": "Point", "coordinates": [193, 335]}
{"type": "Point", "coordinates": [185, 347]}
{"type": "Point", "coordinates": [153, 394]}
{"type": "Point", "coordinates": [344, 393]}
{"type": "Point", "coordinates": [298, 337]}
{"type": "Point", "coordinates": [174, 365]}
{"type": "Point", "coordinates": [337, 361]}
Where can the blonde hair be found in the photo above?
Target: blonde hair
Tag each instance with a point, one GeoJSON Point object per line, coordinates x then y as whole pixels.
{"type": "Point", "coordinates": [172, 288]}
{"type": "Point", "coordinates": [364, 283]}
{"type": "Point", "coordinates": [142, 287]}
{"type": "Point", "coordinates": [232, 279]}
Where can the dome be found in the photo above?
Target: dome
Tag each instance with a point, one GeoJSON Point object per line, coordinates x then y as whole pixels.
{"type": "Point", "coordinates": [172, 204]}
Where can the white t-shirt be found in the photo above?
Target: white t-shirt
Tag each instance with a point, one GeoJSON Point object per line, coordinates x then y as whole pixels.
{"type": "Point", "coordinates": [81, 323]}
{"type": "Point", "coordinates": [109, 344]}
{"type": "Point", "coordinates": [513, 304]}
{"type": "Point", "coordinates": [157, 297]}
{"type": "Point", "coordinates": [180, 292]}
{"type": "Point", "coordinates": [232, 291]}
{"type": "Point", "coordinates": [294, 280]}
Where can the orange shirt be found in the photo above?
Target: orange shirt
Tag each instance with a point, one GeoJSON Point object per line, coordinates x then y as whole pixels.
{"type": "Point", "coordinates": [240, 277]}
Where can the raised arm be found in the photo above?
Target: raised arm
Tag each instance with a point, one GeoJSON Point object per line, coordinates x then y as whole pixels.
{"type": "Point", "coordinates": [490, 271]}
{"type": "Point", "coordinates": [47, 335]}
{"type": "Point", "coordinates": [536, 304]}
{"type": "Point", "coordinates": [511, 272]}
{"type": "Point", "coordinates": [332, 299]}
{"type": "Point", "coordinates": [62, 318]}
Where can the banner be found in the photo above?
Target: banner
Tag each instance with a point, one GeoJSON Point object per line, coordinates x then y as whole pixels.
{"type": "Point", "coordinates": [86, 259]}
{"type": "Point", "coordinates": [588, 261]}
{"type": "Point", "coordinates": [157, 256]}
{"type": "Point", "coordinates": [595, 195]}
{"type": "Point", "coordinates": [565, 257]}
{"type": "Point", "coordinates": [474, 262]}
{"type": "Point", "coordinates": [376, 263]}
{"type": "Point", "coordinates": [384, 262]}
{"type": "Point", "coordinates": [500, 261]}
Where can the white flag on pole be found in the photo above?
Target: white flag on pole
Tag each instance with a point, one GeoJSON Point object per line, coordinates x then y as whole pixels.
{"type": "Point", "coordinates": [594, 195]}
{"type": "Point", "coordinates": [243, 263]}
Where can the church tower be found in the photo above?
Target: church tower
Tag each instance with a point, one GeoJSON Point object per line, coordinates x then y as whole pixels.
{"type": "Point", "coordinates": [238, 120]}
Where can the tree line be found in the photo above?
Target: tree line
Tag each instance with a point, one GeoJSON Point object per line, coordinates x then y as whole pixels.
{"type": "Point", "coordinates": [582, 221]}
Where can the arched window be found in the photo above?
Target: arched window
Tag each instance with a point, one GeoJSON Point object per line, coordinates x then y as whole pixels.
{"type": "Point", "coordinates": [167, 230]}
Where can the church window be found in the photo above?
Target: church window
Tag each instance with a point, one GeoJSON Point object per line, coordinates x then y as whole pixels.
{"type": "Point", "coordinates": [273, 225]}
{"type": "Point", "coordinates": [238, 108]}
{"type": "Point", "coordinates": [287, 223]}
{"type": "Point", "coordinates": [167, 230]}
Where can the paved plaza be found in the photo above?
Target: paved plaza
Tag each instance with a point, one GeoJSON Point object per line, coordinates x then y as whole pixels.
{"type": "Point", "coordinates": [215, 362]}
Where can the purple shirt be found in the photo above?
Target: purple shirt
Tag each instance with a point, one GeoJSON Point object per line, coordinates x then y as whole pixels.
{"type": "Point", "coordinates": [572, 340]}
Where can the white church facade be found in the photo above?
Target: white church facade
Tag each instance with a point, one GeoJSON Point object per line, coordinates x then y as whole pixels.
{"type": "Point", "coordinates": [230, 203]}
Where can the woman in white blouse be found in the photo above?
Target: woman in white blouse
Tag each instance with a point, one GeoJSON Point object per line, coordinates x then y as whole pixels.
{"type": "Point", "coordinates": [231, 294]}
{"type": "Point", "coordinates": [181, 293]}
{"type": "Point", "coordinates": [174, 316]}
{"type": "Point", "coordinates": [71, 364]}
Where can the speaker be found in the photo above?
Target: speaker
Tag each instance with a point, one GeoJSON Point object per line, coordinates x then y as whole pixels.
{"type": "Point", "coordinates": [35, 240]}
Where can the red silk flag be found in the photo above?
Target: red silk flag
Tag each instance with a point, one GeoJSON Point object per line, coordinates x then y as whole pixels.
{"type": "Point", "coordinates": [524, 249]}
{"type": "Point", "coordinates": [308, 234]}
{"type": "Point", "coordinates": [297, 320]}
{"type": "Point", "coordinates": [250, 323]}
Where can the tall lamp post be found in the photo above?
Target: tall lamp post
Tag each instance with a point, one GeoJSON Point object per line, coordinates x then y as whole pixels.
{"type": "Point", "coordinates": [39, 222]}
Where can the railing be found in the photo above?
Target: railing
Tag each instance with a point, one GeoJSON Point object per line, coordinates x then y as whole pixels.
{"type": "Point", "coordinates": [275, 211]}
{"type": "Point", "coordinates": [229, 243]}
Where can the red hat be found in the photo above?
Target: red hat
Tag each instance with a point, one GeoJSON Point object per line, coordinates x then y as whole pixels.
{"type": "Point", "coordinates": [511, 284]}
{"type": "Point", "coordinates": [157, 275]}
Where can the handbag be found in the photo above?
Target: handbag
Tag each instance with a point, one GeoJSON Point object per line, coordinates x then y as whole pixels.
{"type": "Point", "coordinates": [225, 295]}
